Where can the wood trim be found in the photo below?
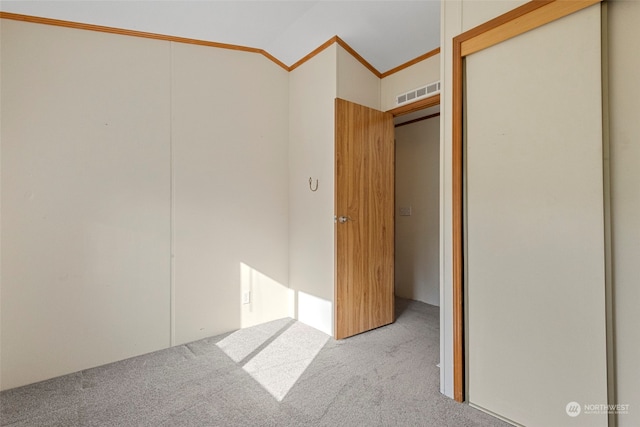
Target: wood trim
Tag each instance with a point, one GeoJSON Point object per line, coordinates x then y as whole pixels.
{"type": "Point", "coordinates": [430, 116]}
{"type": "Point", "coordinates": [535, 18]}
{"type": "Point", "coordinates": [415, 106]}
{"type": "Point", "coordinates": [502, 19]}
{"type": "Point", "coordinates": [133, 33]}
{"type": "Point", "coordinates": [274, 59]}
{"type": "Point", "coordinates": [357, 56]}
{"type": "Point", "coordinates": [410, 63]}
{"type": "Point", "coordinates": [458, 279]}
{"type": "Point", "coordinates": [155, 36]}
{"type": "Point", "coordinates": [527, 17]}
{"type": "Point", "coordinates": [313, 53]}
{"type": "Point", "coordinates": [345, 46]}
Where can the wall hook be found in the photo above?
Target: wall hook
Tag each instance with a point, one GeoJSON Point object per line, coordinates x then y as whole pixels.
{"type": "Point", "coordinates": [310, 185]}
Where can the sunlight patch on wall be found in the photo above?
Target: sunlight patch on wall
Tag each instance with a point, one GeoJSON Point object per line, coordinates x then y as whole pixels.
{"type": "Point", "coordinates": [315, 312]}
{"type": "Point", "coordinates": [272, 347]}
{"type": "Point", "coordinates": [262, 298]}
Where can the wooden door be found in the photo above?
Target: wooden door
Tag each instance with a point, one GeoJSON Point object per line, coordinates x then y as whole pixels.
{"type": "Point", "coordinates": [365, 156]}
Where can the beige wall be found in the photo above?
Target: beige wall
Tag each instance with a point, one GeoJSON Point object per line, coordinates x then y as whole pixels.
{"type": "Point", "coordinates": [477, 12]}
{"type": "Point", "coordinates": [230, 195]}
{"type": "Point", "coordinates": [420, 74]}
{"type": "Point", "coordinates": [116, 152]}
{"type": "Point", "coordinates": [212, 153]}
{"type": "Point", "coordinates": [85, 200]}
{"type": "Point", "coordinates": [417, 274]}
{"type": "Point", "coordinates": [624, 98]}
{"type": "Point", "coordinates": [356, 83]}
{"type": "Point", "coordinates": [312, 91]}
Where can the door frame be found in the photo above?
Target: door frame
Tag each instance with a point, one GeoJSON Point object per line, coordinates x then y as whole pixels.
{"type": "Point", "coordinates": [413, 107]}
{"type": "Point", "coordinates": [396, 112]}
{"type": "Point", "coordinates": [431, 101]}
{"type": "Point", "coordinates": [529, 16]}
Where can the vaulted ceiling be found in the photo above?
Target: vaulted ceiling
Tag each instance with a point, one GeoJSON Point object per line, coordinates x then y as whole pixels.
{"type": "Point", "coordinates": [386, 33]}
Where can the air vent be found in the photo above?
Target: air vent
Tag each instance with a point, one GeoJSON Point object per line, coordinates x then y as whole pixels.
{"type": "Point", "coordinates": [433, 88]}
{"type": "Point", "coordinates": [415, 94]}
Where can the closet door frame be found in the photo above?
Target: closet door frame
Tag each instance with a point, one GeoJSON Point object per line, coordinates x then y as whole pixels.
{"type": "Point", "coordinates": [525, 18]}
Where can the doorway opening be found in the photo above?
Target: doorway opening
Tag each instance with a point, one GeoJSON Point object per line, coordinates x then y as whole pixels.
{"type": "Point", "coordinates": [417, 200]}
{"type": "Point", "coordinates": [417, 203]}
{"type": "Point", "coordinates": [417, 206]}
{"type": "Point", "coordinates": [365, 173]}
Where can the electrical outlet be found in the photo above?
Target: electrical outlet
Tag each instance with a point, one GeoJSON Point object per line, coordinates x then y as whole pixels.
{"type": "Point", "coordinates": [246, 297]}
{"type": "Point", "coordinates": [405, 211]}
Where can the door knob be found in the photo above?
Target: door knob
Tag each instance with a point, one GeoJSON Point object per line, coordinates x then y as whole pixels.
{"type": "Point", "coordinates": [343, 219]}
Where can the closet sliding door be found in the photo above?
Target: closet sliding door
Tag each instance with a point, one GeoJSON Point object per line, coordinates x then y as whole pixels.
{"type": "Point", "coordinates": [534, 224]}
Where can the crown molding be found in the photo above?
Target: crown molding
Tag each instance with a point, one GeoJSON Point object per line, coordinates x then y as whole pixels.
{"type": "Point", "coordinates": [164, 37]}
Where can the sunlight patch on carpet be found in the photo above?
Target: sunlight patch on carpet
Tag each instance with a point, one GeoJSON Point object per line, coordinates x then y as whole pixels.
{"type": "Point", "coordinates": [279, 365]}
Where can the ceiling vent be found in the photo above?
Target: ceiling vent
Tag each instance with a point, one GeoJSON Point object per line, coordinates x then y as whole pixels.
{"type": "Point", "coordinates": [421, 92]}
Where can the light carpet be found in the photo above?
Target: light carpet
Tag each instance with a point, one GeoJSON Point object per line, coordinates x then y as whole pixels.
{"type": "Point", "coordinates": [282, 373]}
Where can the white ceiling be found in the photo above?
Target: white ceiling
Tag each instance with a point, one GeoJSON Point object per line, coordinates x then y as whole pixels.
{"type": "Point", "coordinates": [386, 33]}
